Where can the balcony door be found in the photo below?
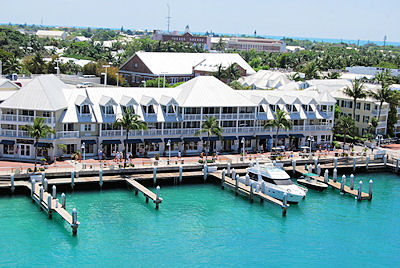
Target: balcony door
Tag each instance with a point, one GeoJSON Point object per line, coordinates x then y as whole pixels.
{"type": "Point", "coordinates": [25, 150]}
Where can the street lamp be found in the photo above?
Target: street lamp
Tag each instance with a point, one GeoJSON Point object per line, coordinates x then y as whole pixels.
{"type": "Point", "coordinates": [379, 139]}
{"type": "Point", "coordinates": [57, 68]}
{"type": "Point", "coordinates": [144, 83]}
{"type": "Point", "coordinates": [242, 141]}
{"type": "Point", "coordinates": [169, 151]}
{"type": "Point", "coordinates": [105, 74]}
{"type": "Point", "coordinates": [310, 140]}
{"type": "Point", "coordinates": [83, 150]}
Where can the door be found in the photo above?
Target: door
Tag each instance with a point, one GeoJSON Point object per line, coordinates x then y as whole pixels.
{"type": "Point", "coordinates": [25, 150]}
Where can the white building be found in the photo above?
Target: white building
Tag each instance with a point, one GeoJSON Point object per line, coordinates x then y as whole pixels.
{"type": "Point", "coordinates": [51, 34]}
{"type": "Point", "coordinates": [86, 115]}
{"type": "Point", "coordinates": [266, 79]}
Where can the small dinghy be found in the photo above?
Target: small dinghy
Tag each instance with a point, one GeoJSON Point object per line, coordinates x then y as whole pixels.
{"type": "Point", "coordinates": [308, 181]}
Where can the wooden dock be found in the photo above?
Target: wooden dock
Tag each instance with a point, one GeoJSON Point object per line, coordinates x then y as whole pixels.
{"type": "Point", "coordinates": [248, 191]}
{"type": "Point", "coordinates": [336, 185]}
{"type": "Point", "coordinates": [53, 206]}
{"type": "Point", "coordinates": [146, 192]}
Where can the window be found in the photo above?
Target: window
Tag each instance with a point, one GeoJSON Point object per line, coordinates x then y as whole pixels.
{"type": "Point", "coordinates": [171, 109]}
{"type": "Point", "coordinates": [130, 107]}
{"type": "Point", "coordinates": [357, 117]}
{"type": "Point", "coordinates": [367, 106]}
{"type": "Point", "coordinates": [261, 109]}
{"type": "Point", "coordinates": [71, 148]}
{"type": "Point", "coordinates": [246, 123]}
{"type": "Point", "coordinates": [229, 110]}
{"type": "Point", "coordinates": [210, 110]}
{"type": "Point", "coordinates": [69, 127]}
{"type": "Point", "coordinates": [365, 118]}
{"type": "Point", "coordinates": [288, 107]}
{"type": "Point", "coordinates": [192, 110]}
{"type": "Point", "coordinates": [46, 114]}
{"type": "Point", "coordinates": [8, 149]}
{"type": "Point", "coordinates": [358, 105]}
{"type": "Point", "coordinates": [109, 109]}
{"type": "Point", "coordinates": [174, 146]}
{"type": "Point", "coordinates": [135, 65]}
{"type": "Point", "coordinates": [150, 147]}
{"type": "Point", "coordinates": [87, 127]}
{"type": "Point", "coordinates": [149, 109]}
{"type": "Point", "coordinates": [228, 123]}
{"type": "Point", "coordinates": [246, 110]}
{"type": "Point", "coordinates": [191, 124]}
{"type": "Point", "coordinates": [26, 112]}
{"type": "Point", "coordinates": [85, 109]}
{"type": "Point", "coordinates": [89, 148]}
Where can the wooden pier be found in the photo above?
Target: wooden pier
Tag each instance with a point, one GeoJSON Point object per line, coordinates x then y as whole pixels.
{"type": "Point", "coordinates": [248, 191]}
{"type": "Point", "coordinates": [146, 192]}
{"type": "Point", "coordinates": [336, 185]}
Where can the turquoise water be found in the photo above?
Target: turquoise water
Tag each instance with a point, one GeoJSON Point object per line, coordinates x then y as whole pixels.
{"type": "Point", "coordinates": [202, 225]}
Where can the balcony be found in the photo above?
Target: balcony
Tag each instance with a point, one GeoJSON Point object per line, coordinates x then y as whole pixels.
{"type": "Point", "coordinates": [67, 134]}
{"type": "Point", "coordinates": [192, 117]}
{"type": "Point", "coordinates": [9, 133]}
{"type": "Point", "coordinates": [24, 118]}
{"type": "Point", "coordinates": [382, 125]}
{"type": "Point", "coordinates": [111, 133]}
{"type": "Point", "coordinates": [376, 112]}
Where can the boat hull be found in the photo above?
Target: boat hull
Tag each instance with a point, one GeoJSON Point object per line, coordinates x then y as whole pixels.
{"type": "Point", "coordinates": [315, 186]}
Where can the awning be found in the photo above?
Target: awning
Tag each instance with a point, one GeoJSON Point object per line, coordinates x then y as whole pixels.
{"type": "Point", "coordinates": [191, 139]}
{"type": "Point", "coordinates": [88, 141]}
{"type": "Point", "coordinates": [297, 135]}
{"type": "Point", "coordinates": [43, 144]}
{"type": "Point", "coordinates": [134, 141]}
{"type": "Point", "coordinates": [111, 142]}
{"type": "Point", "coordinates": [7, 142]}
{"type": "Point", "coordinates": [246, 137]}
{"type": "Point", "coordinates": [263, 137]}
{"type": "Point", "coordinates": [230, 138]}
{"type": "Point", "coordinates": [282, 136]}
{"type": "Point", "coordinates": [173, 139]}
{"type": "Point", "coordinates": [213, 138]}
{"type": "Point", "coordinates": [155, 140]}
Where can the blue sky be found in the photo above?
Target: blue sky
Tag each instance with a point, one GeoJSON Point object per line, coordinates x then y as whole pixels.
{"type": "Point", "coordinates": [342, 19]}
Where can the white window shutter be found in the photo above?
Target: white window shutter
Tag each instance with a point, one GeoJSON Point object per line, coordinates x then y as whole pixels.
{"type": "Point", "coordinates": [82, 127]}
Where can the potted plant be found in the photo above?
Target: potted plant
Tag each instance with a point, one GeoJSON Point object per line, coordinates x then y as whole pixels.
{"type": "Point", "coordinates": [156, 159]}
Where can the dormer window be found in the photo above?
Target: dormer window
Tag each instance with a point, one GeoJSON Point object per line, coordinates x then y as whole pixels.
{"type": "Point", "coordinates": [273, 107]}
{"type": "Point", "coordinates": [294, 109]}
{"type": "Point", "coordinates": [84, 109]}
{"type": "Point", "coordinates": [109, 109]}
{"type": "Point", "coordinates": [288, 107]}
{"type": "Point", "coordinates": [149, 109]}
{"type": "Point", "coordinates": [130, 108]}
{"type": "Point", "coordinates": [261, 109]}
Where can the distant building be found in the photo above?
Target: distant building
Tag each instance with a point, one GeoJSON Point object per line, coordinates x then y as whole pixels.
{"type": "Point", "coordinates": [187, 37]}
{"type": "Point", "coordinates": [258, 44]}
{"type": "Point", "coordinates": [178, 67]}
{"type": "Point", "coordinates": [370, 70]}
{"type": "Point", "coordinates": [51, 34]}
{"type": "Point", "coordinates": [81, 38]}
{"type": "Point", "coordinates": [266, 79]}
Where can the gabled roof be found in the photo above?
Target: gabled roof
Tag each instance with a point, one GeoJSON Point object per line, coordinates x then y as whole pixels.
{"type": "Point", "coordinates": [106, 100]}
{"type": "Point", "coordinates": [127, 101]}
{"type": "Point", "coordinates": [43, 93]}
{"type": "Point", "coordinates": [82, 100]}
{"type": "Point", "coordinates": [208, 91]}
{"type": "Point", "coordinates": [8, 85]}
{"type": "Point", "coordinates": [147, 100]}
{"type": "Point", "coordinates": [167, 100]}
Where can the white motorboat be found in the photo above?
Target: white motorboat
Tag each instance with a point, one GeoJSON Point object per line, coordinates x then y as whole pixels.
{"type": "Point", "coordinates": [274, 181]}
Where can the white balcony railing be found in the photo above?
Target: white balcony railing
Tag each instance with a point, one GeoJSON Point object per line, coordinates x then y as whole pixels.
{"type": "Point", "coordinates": [192, 116]}
{"type": "Point", "coordinates": [24, 118]}
{"type": "Point", "coordinates": [67, 134]}
{"type": "Point", "coordinates": [9, 133]}
{"type": "Point", "coordinates": [111, 133]}
{"type": "Point", "coordinates": [383, 112]}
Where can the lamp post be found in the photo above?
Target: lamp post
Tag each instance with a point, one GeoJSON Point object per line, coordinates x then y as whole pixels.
{"type": "Point", "coordinates": [117, 79]}
{"type": "Point", "coordinates": [379, 139]}
{"type": "Point", "coordinates": [310, 140]}
{"type": "Point", "coordinates": [144, 83]}
{"type": "Point", "coordinates": [169, 151]}
{"type": "Point", "coordinates": [105, 74]}
{"type": "Point", "coordinates": [83, 150]}
{"type": "Point", "coordinates": [242, 141]}
{"type": "Point", "coordinates": [58, 67]}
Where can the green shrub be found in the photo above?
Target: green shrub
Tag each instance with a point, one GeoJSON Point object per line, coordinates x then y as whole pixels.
{"type": "Point", "coordinates": [29, 170]}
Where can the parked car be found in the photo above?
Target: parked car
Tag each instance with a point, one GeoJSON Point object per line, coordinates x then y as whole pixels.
{"type": "Point", "coordinates": [84, 84]}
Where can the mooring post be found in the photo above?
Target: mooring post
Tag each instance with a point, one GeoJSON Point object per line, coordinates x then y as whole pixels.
{"type": "Point", "coordinates": [45, 185]}
{"type": "Point", "coordinates": [180, 174]}
{"type": "Point", "coordinates": [334, 175]}
{"type": "Point", "coordinates": [72, 179]}
{"type": "Point", "coordinates": [228, 170]}
{"type": "Point", "coordinates": [247, 181]}
{"type": "Point", "coordinates": [32, 187]}
{"type": "Point", "coordinates": [54, 192]}
{"type": "Point", "coordinates": [342, 184]}
{"type": "Point", "coordinates": [309, 168]}
{"type": "Point", "coordinates": [354, 163]}
{"type": "Point", "coordinates": [236, 184]}
{"type": "Point", "coordinates": [74, 224]}
{"type": "Point", "coordinates": [367, 162]}
{"type": "Point", "coordinates": [233, 173]}
{"type": "Point", "coordinates": [49, 198]}
{"type": "Point", "coordinates": [294, 165]}
{"type": "Point", "coordinates": [263, 187]}
{"type": "Point", "coordinates": [12, 183]}
{"type": "Point", "coordinates": [370, 190]}
{"type": "Point", "coordinates": [251, 164]}
{"type": "Point", "coordinates": [205, 171]}
{"type": "Point", "coordinates": [319, 169]}
{"type": "Point", "coordinates": [335, 162]}
{"type": "Point", "coordinates": [251, 192]}
{"type": "Point", "coordinates": [223, 179]}
{"type": "Point", "coordinates": [385, 160]}
{"type": "Point", "coordinates": [284, 206]}
{"type": "Point", "coordinates": [157, 196]}
{"type": "Point", "coordinates": [101, 178]}
{"type": "Point", "coordinates": [397, 165]}
{"type": "Point", "coordinates": [154, 175]}
{"type": "Point", "coordinates": [351, 182]}
{"type": "Point", "coordinates": [315, 162]}
{"type": "Point", "coordinates": [63, 200]}
{"type": "Point", "coordinates": [43, 176]}
{"type": "Point", "coordinates": [41, 196]}
{"type": "Point", "coordinates": [359, 190]}
{"type": "Point", "coordinates": [326, 176]}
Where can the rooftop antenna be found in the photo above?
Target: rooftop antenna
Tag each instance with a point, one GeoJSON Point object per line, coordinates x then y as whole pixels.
{"type": "Point", "coordinates": [41, 21]}
{"type": "Point", "coordinates": [384, 40]}
{"type": "Point", "coordinates": [169, 16]}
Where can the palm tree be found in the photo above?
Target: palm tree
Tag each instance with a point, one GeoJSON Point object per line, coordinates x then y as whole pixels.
{"type": "Point", "coordinates": [332, 75]}
{"type": "Point", "coordinates": [129, 121]}
{"type": "Point", "coordinates": [311, 71]}
{"type": "Point", "coordinates": [345, 125]}
{"type": "Point", "coordinates": [356, 91]}
{"type": "Point", "coordinates": [373, 124]}
{"type": "Point", "coordinates": [220, 45]}
{"type": "Point", "coordinates": [38, 130]}
{"type": "Point", "coordinates": [280, 122]}
{"type": "Point", "coordinates": [220, 72]}
{"type": "Point", "coordinates": [211, 127]}
{"type": "Point", "coordinates": [383, 94]}
{"type": "Point", "coordinates": [232, 72]}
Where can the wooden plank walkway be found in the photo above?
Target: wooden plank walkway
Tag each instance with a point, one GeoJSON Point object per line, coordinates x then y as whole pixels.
{"type": "Point", "coordinates": [336, 185]}
{"type": "Point", "coordinates": [246, 190]}
{"type": "Point", "coordinates": [54, 206]}
{"type": "Point", "coordinates": [146, 192]}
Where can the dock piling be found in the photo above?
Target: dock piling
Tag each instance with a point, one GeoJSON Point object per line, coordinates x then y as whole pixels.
{"type": "Point", "coordinates": [72, 179]}
{"type": "Point", "coordinates": [158, 199]}
{"type": "Point", "coordinates": [233, 174]}
{"type": "Point", "coordinates": [354, 163]}
{"type": "Point", "coordinates": [251, 192]}
{"type": "Point", "coordinates": [32, 187]}
{"type": "Point", "coordinates": [49, 198]}
{"type": "Point", "coordinates": [41, 195]}
{"type": "Point", "coordinates": [54, 192]}
{"type": "Point", "coordinates": [367, 162]}
{"type": "Point", "coordinates": [247, 182]}
{"type": "Point", "coordinates": [326, 176]}
{"type": "Point", "coordinates": [45, 184]}
{"type": "Point", "coordinates": [74, 224]}
{"type": "Point", "coordinates": [284, 206]}
{"type": "Point", "coordinates": [228, 171]}
{"type": "Point", "coordinates": [63, 200]}
{"type": "Point", "coordinates": [342, 184]}
{"type": "Point", "coordinates": [294, 166]}
{"type": "Point", "coordinates": [236, 184]}
{"type": "Point", "coordinates": [180, 174]}
{"type": "Point", "coordinates": [397, 165]}
{"type": "Point", "coordinates": [319, 169]}
{"type": "Point", "coordinates": [316, 162]}
{"type": "Point", "coordinates": [351, 182]}
{"type": "Point", "coordinates": [370, 189]}
{"type": "Point", "coordinates": [43, 176]}
{"type": "Point", "coordinates": [335, 162]}
{"type": "Point", "coordinates": [154, 175]}
{"type": "Point", "coordinates": [101, 178]}
{"type": "Point", "coordinates": [205, 171]}
{"type": "Point", "coordinates": [359, 191]}
{"type": "Point", "coordinates": [334, 175]}
{"type": "Point", "coordinates": [12, 183]}
{"type": "Point", "coordinates": [309, 167]}
{"type": "Point", "coordinates": [385, 160]}
{"type": "Point", "coordinates": [223, 179]}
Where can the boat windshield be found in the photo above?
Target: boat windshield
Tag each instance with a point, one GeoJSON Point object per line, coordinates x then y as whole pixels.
{"type": "Point", "coordinates": [283, 182]}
